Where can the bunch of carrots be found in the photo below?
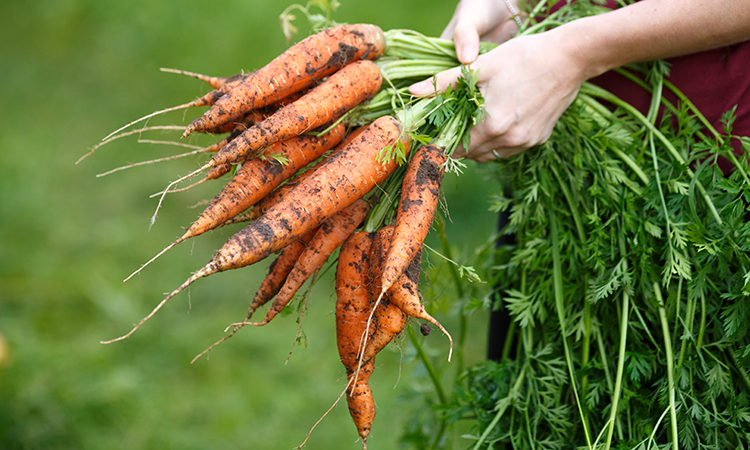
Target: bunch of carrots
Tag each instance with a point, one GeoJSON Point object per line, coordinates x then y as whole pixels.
{"type": "Point", "coordinates": [328, 151]}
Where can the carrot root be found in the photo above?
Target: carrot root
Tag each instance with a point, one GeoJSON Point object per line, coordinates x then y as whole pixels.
{"type": "Point", "coordinates": [204, 272]}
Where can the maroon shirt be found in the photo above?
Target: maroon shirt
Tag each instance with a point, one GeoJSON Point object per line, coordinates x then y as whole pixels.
{"type": "Point", "coordinates": [715, 81]}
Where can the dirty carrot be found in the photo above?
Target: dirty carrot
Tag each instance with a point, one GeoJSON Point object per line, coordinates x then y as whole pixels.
{"type": "Point", "coordinates": [353, 306]}
{"type": "Point", "coordinates": [387, 320]}
{"type": "Point", "coordinates": [278, 272]}
{"type": "Point", "coordinates": [361, 402]}
{"type": "Point", "coordinates": [258, 177]}
{"type": "Point", "coordinates": [420, 193]}
{"type": "Point", "coordinates": [331, 234]}
{"type": "Point", "coordinates": [275, 196]}
{"type": "Point", "coordinates": [299, 67]}
{"type": "Point", "coordinates": [342, 91]}
{"type": "Point", "coordinates": [353, 301]}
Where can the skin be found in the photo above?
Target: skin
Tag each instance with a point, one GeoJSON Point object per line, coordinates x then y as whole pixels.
{"type": "Point", "coordinates": [528, 82]}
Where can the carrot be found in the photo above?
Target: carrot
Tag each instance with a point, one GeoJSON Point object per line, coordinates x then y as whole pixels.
{"type": "Point", "coordinates": [299, 67]}
{"type": "Point", "coordinates": [253, 117]}
{"type": "Point", "coordinates": [361, 403]}
{"type": "Point", "coordinates": [331, 234]}
{"type": "Point", "coordinates": [275, 196]}
{"type": "Point", "coordinates": [353, 301]}
{"type": "Point", "coordinates": [236, 127]}
{"type": "Point", "coordinates": [255, 179]}
{"type": "Point", "coordinates": [342, 91]}
{"type": "Point", "coordinates": [353, 306]}
{"type": "Point", "coordinates": [406, 297]}
{"type": "Point", "coordinates": [258, 177]}
{"type": "Point", "coordinates": [387, 319]}
{"type": "Point", "coordinates": [345, 177]}
{"type": "Point", "coordinates": [278, 272]}
{"type": "Point", "coordinates": [420, 193]}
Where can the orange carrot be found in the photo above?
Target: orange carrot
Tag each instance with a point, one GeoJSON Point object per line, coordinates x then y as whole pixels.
{"type": "Point", "coordinates": [342, 91]}
{"type": "Point", "coordinates": [299, 67]}
{"type": "Point", "coordinates": [345, 177]}
{"type": "Point", "coordinates": [353, 301]}
{"type": "Point", "coordinates": [278, 272]}
{"type": "Point", "coordinates": [387, 319]}
{"type": "Point", "coordinates": [331, 234]}
{"type": "Point", "coordinates": [275, 196]}
{"type": "Point", "coordinates": [420, 193]}
{"type": "Point", "coordinates": [258, 177]}
{"type": "Point", "coordinates": [353, 306]}
{"type": "Point", "coordinates": [236, 127]}
{"type": "Point", "coordinates": [361, 403]}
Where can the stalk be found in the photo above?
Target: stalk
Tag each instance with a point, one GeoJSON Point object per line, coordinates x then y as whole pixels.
{"type": "Point", "coordinates": [620, 357]}
{"type": "Point", "coordinates": [670, 364]}
{"type": "Point", "coordinates": [560, 307]}
{"type": "Point", "coordinates": [434, 377]}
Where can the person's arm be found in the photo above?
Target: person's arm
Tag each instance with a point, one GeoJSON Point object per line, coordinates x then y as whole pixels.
{"type": "Point", "coordinates": [529, 81]}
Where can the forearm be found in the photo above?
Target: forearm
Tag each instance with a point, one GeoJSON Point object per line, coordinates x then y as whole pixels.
{"type": "Point", "coordinates": [653, 29]}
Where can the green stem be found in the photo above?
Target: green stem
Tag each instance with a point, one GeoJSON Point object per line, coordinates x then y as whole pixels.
{"type": "Point", "coordinates": [560, 307]}
{"type": "Point", "coordinates": [621, 355]}
{"type": "Point", "coordinates": [509, 340]}
{"type": "Point", "coordinates": [689, 316]}
{"type": "Point", "coordinates": [670, 364]}
{"type": "Point", "coordinates": [434, 377]}
{"type": "Point", "coordinates": [702, 328]}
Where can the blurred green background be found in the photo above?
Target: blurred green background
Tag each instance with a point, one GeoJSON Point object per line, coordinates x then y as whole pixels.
{"type": "Point", "coordinates": [71, 71]}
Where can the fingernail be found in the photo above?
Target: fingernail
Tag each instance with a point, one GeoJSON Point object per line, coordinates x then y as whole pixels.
{"type": "Point", "coordinates": [467, 53]}
{"type": "Point", "coordinates": [420, 88]}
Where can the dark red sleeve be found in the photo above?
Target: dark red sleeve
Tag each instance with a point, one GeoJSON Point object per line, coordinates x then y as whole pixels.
{"type": "Point", "coordinates": [715, 81]}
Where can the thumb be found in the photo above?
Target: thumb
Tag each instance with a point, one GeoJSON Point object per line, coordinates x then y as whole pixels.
{"type": "Point", "coordinates": [466, 40]}
{"type": "Point", "coordinates": [438, 83]}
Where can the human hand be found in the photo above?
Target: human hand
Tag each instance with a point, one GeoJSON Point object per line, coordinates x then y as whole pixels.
{"type": "Point", "coordinates": [527, 83]}
{"type": "Point", "coordinates": [475, 20]}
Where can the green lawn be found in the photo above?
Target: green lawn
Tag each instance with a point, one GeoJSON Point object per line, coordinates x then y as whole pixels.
{"type": "Point", "coordinates": [71, 71]}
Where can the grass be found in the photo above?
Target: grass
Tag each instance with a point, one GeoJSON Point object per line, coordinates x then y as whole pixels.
{"type": "Point", "coordinates": [72, 72]}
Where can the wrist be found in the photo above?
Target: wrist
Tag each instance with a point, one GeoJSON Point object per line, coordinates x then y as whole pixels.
{"type": "Point", "coordinates": [579, 45]}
